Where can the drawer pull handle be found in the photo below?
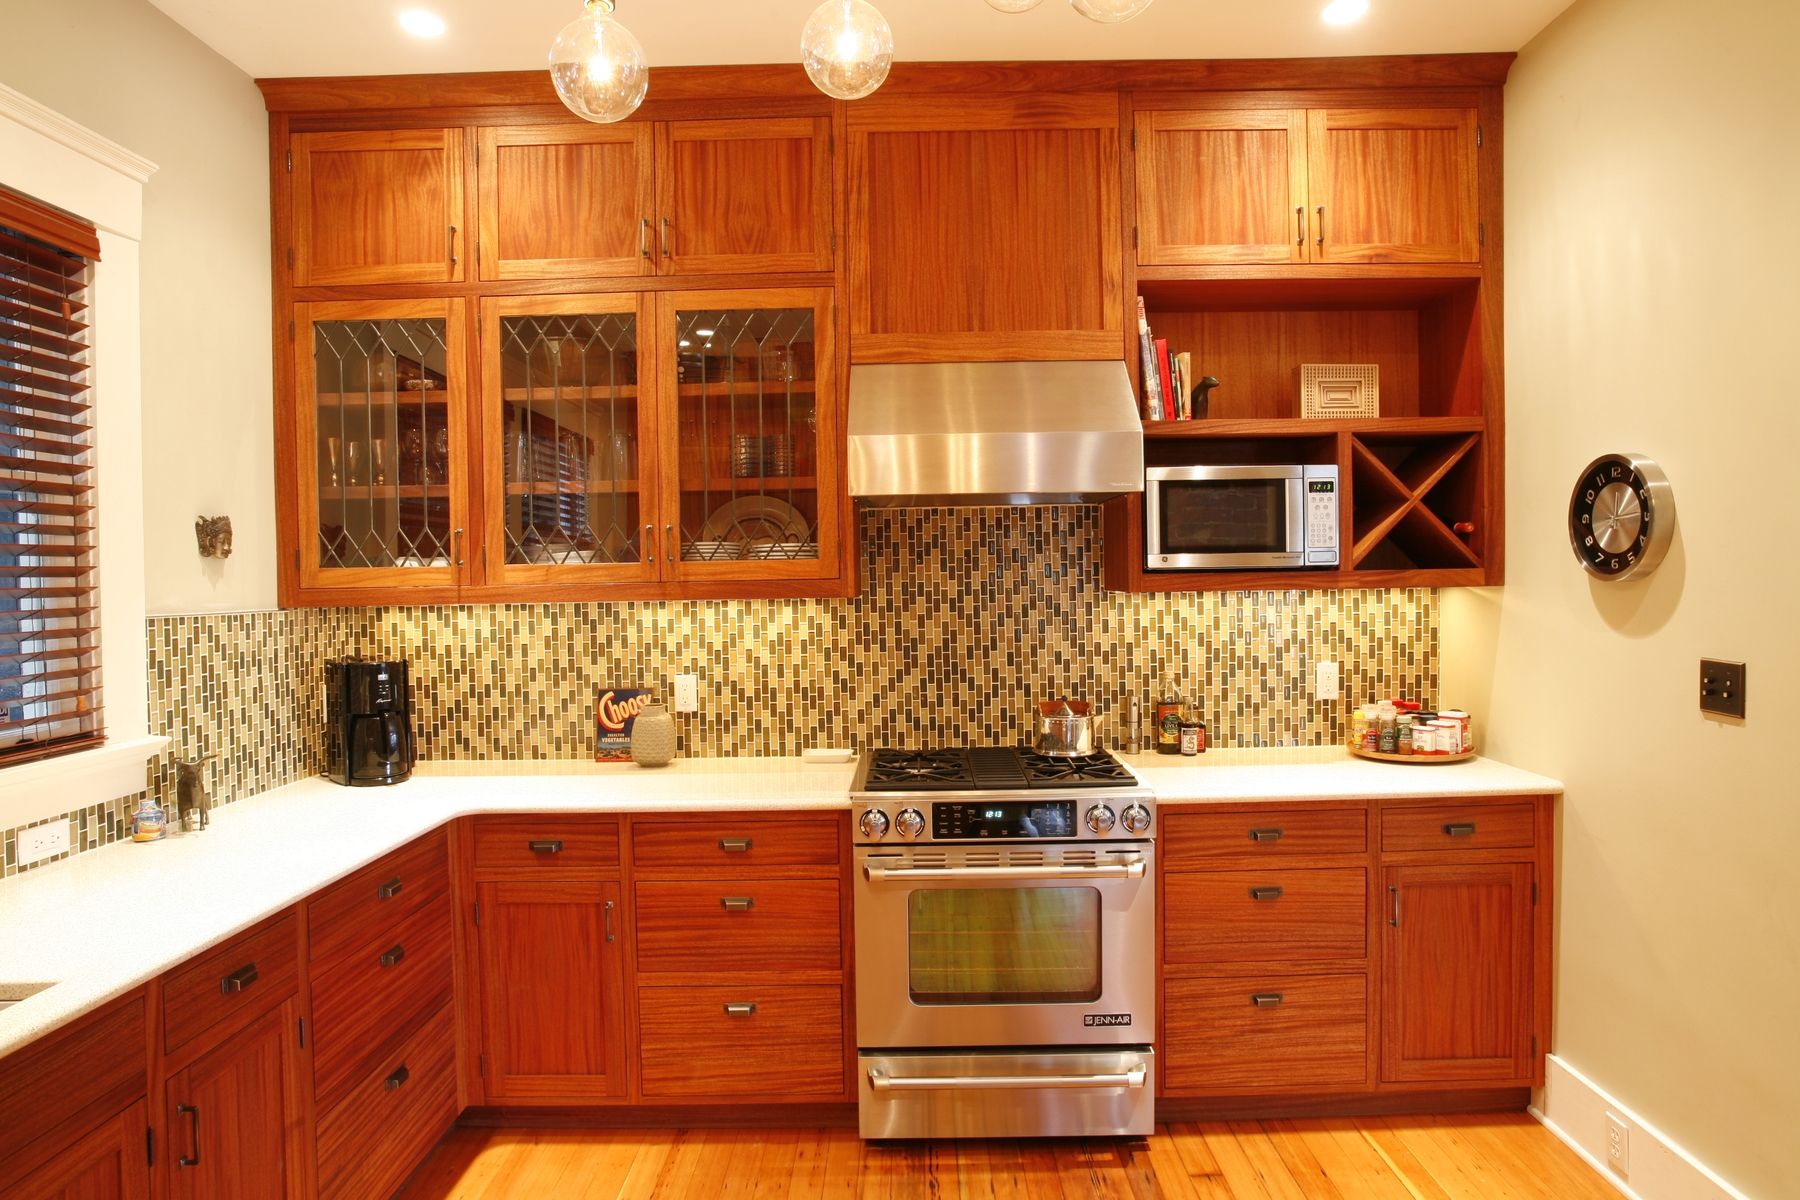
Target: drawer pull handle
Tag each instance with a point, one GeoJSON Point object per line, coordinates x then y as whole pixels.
{"type": "Point", "coordinates": [389, 890]}
{"type": "Point", "coordinates": [398, 1079]}
{"type": "Point", "coordinates": [1265, 835]}
{"type": "Point", "coordinates": [743, 1009]}
{"type": "Point", "coordinates": [544, 846]}
{"type": "Point", "coordinates": [238, 980]}
{"type": "Point", "coordinates": [737, 903]}
{"type": "Point", "coordinates": [192, 1113]}
{"type": "Point", "coordinates": [735, 845]}
{"type": "Point", "coordinates": [1394, 895]}
{"type": "Point", "coordinates": [607, 911]}
{"type": "Point", "coordinates": [392, 957]}
{"type": "Point", "coordinates": [1265, 893]}
{"type": "Point", "coordinates": [1460, 829]}
{"type": "Point", "coordinates": [1266, 999]}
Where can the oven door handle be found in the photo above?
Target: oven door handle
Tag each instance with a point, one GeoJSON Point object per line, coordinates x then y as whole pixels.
{"type": "Point", "coordinates": [1128, 870]}
{"type": "Point", "coordinates": [881, 1081]}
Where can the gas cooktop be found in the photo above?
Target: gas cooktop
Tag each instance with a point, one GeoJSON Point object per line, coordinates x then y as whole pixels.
{"type": "Point", "coordinates": [987, 769]}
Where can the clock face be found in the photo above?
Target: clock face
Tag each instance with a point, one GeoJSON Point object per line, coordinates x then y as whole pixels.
{"type": "Point", "coordinates": [1621, 516]}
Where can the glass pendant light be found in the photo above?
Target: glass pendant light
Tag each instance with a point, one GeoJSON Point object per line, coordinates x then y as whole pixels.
{"type": "Point", "coordinates": [847, 48]}
{"type": "Point", "coordinates": [1014, 6]}
{"type": "Point", "coordinates": [1109, 12]}
{"type": "Point", "coordinates": [598, 67]}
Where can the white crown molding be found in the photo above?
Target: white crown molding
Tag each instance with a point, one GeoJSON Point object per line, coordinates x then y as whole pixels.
{"type": "Point", "coordinates": [77, 137]}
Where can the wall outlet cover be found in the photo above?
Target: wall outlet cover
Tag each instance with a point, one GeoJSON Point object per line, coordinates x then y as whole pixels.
{"type": "Point", "coordinates": [687, 693]}
{"type": "Point", "coordinates": [1325, 680]}
{"type": "Point", "coordinates": [43, 841]}
{"type": "Point", "coordinates": [1618, 1144]}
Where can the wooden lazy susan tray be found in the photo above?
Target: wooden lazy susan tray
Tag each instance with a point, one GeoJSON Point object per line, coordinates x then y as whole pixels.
{"type": "Point", "coordinates": [1414, 760]}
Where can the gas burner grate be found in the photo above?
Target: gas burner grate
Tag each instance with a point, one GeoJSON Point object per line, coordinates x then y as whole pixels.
{"type": "Point", "coordinates": [919, 771]}
{"type": "Point", "coordinates": [1085, 770]}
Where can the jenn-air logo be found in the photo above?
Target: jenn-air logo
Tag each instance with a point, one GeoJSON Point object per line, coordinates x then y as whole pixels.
{"type": "Point", "coordinates": [1092, 1019]}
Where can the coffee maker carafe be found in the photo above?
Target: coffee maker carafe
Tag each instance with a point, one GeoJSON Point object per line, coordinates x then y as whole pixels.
{"type": "Point", "coordinates": [368, 722]}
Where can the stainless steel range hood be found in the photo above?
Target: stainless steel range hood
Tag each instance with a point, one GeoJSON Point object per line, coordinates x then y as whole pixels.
{"type": "Point", "coordinates": [926, 434]}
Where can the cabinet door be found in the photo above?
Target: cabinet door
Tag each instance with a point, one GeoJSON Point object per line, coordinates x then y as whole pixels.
{"type": "Point", "coordinates": [551, 986]}
{"type": "Point", "coordinates": [749, 195]}
{"type": "Point", "coordinates": [562, 201]}
{"type": "Point", "coordinates": [1393, 185]}
{"type": "Point", "coordinates": [108, 1164]}
{"type": "Point", "coordinates": [382, 443]}
{"type": "Point", "coordinates": [382, 206]}
{"type": "Point", "coordinates": [750, 430]}
{"type": "Point", "coordinates": [985, 228]}
{"type": "Point", "coordinates": [568, 440]}
{"type": "Point", "coordinates": [1456, 972]}
{"type": "Point", "coordinates": [233, 1117]}
{"type": "Point", "coordinates": [1221, 186]}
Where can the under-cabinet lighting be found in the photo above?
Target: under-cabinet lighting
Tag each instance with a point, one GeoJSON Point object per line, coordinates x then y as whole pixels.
{"type": "Point", "coordinates": [1345, 12]}
{"type": "Point", "coordinates": [422, 24]}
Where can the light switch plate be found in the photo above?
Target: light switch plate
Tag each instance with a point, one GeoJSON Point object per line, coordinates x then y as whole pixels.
{"type": "Point", "coordinates": [1722, 687]}
{"type": "Point", "coordinates": [687, 693]}
{"type": "Point", "coordinates": [43, 841]}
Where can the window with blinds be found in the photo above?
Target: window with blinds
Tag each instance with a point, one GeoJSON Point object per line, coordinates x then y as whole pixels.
{"type": "Point", "coordinates": [49, 599]}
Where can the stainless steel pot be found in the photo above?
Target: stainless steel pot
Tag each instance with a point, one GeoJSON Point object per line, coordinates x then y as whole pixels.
{"type": "Point", "coordinates": [1066, 729]}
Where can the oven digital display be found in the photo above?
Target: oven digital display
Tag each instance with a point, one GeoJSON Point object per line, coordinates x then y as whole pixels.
{"type": "Point", "coordinates": [1004, 819]}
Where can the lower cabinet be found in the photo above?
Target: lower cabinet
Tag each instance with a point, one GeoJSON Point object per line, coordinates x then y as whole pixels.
{"type": "Point", "coordinates": [750, 1039]}
{"type": "Point", "coordinates": [389, 1120]}
{"type": "Point", "coordinates": [1254, 1034]}
{"type": "Point", "coordinates": [233, 1116]}
{"type": "Point", "coordinates": [553, 1028]}
{"type": "Point", "coordinates": [107, 1164]}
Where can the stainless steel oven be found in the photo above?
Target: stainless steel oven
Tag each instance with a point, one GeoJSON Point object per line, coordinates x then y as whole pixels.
{"type": "Point", "coordinates": [1199, 518]}
{"type": "Point", "coordinates": [1005, 960]}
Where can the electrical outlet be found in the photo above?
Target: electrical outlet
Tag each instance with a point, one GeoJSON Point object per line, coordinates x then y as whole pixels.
{"type": "Point", "coordinates": [1325, 681]}
{"type": "Point", "coordinates": [1722, 687]}
{"type": "Point", "coordinates": [1618, 1144]}
{"type": "Point", "coordinates": [43, 841]}
{"type": "Point", "coordinates": [687, 693]}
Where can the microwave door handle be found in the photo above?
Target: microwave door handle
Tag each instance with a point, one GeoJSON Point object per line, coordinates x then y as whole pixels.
{"type": "Point", "coordinates": [881, 1081]}
{"type": "Point", "coordinates": [1120, 870]}
{"type": "Point", "coordinates": [1296, 519]}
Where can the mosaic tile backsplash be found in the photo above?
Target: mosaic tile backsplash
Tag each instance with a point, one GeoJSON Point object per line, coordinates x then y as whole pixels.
{"type": "Point", "coordinates": [964, 617]}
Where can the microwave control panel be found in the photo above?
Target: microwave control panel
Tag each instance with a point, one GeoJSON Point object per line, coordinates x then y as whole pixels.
{"type": "Point", "coordinates": [1321, 521]}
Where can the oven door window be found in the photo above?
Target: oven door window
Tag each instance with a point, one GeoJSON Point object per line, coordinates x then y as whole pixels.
{"type": "Point", "coordinates": [1004, 945]}
{"type": "Point", "coordinates": [1225, 516]}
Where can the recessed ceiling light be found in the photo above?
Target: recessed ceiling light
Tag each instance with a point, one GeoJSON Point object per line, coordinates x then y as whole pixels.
{"type": "Point", "coordinates": [1345, 12]}
{"type": "Point", "coordinates": [422, 24]}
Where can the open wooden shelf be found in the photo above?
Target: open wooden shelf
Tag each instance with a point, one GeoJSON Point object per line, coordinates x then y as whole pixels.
{"type": "Point", "coordinates": [1294, 427]}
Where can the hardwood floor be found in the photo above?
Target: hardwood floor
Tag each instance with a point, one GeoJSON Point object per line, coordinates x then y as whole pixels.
{"type": "Point", "coordinates": [1494, 1156]}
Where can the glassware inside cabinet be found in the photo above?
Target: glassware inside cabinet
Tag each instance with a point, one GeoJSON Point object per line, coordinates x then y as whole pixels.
{"type": "Point", "coordinates": [747, 430]}
{"type": "Point", "coordinates": [380, 402]}
{"type": "Point", "coordinates": [569, 408]}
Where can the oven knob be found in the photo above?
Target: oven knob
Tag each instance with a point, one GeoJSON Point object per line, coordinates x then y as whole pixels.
{"type": "Point", "coordinates": [1100, 818]}
{"type": "Point", "coordinates": [1136, 818]}
{"type": "Point", "coordinates": [909, 822]}
{"type": "Point", "coordinates": [874, 823]}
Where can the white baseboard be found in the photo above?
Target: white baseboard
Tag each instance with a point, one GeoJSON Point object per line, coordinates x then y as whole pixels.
{"type": "Point", "coordinates": [1573, 1107]}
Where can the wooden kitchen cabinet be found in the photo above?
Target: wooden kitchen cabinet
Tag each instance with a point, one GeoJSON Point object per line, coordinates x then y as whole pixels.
{"type": "Point", "coordinates": [109, 1163]}
{"type": "Point", "coordinates": [985, 228]}
{"type": "Point", "coordinates": [566, 201]}
{"type": "Point", "coordinates": [235, 1116]}
{"type": "Point", "coordinates": [378, 206]}
{"type": "Point", "coordinates": [1289, 185]}
{"type": "Point", "coordinates": [744, 196]}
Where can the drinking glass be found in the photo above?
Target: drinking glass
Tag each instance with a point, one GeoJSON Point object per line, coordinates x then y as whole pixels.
{"type": "Point", "coordinates": [356, 467]}
{"type": "Point", "coordinates": [331, 454]}
{"type": "Point", "coordinates": [378, 452]}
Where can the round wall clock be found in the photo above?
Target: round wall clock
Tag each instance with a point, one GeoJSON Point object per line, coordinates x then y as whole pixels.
{"type": "Point", "coordinates": [1621, 516]}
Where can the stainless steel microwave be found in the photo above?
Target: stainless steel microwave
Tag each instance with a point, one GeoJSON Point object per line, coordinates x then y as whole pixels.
{"type": "Point", "coordinates": [1238, 517]}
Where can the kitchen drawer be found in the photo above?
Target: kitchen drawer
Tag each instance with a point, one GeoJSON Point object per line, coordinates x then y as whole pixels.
{"type": "Point", "coordinates": [713, 843]}
{"type": "Point", "coordinates": [737, 926]}
{"type": "Point", "coordinates": [56, 1089]}
{"type": "Point", "coordinates": [791, 1046]}
{"type": "Point", "coordinates": [546, 847]}
{"type": "Point", "coordinates": [1276, 1033]}
{"type": "Point", "coordinates": [366, 1004]}
{"type": "Point", "coordinates": [364, 909]}
{"type": "Point", "coordinates": [231, 985]}
{"type": "Point", "coordinates": [1271, 915]}
{"type": "Point", "coordinates": [371, 1140]}
{"type": "Point", "coordinates": [1266, 834]}
{"type": "Point", "coordinates": [1458, 827]}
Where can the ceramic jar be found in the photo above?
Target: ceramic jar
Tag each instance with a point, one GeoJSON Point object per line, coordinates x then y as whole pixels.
{"type": "Point", "coordinates": [653, 736]}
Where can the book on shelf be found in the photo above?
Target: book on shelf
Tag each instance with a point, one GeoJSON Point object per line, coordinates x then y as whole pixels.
{"type": "Point", "coordinates": [1168, 383]}
{"type": "Point", "coordinates": [1153, 393]}
{"type": "Point", "coordinates": [1184, 384]}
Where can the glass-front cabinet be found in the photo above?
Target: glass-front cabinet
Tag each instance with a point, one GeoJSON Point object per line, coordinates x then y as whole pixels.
{"type": "Point", "coordinates": [380, 430]}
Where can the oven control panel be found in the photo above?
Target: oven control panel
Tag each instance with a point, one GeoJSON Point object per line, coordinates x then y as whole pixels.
{"type": "Point", "coordinates": [958, 821]}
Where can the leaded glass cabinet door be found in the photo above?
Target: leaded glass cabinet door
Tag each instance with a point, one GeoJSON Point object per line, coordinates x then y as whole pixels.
{"type": "Point", "coordinates": [751, 423]}
{"type": "Point", "coordinates": [382, 442]}
{"type": "Point", "coordinates": [568, 445]}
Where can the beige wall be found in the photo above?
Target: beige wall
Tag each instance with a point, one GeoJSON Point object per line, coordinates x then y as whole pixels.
{"type": "Point", "coordinates": [1653, 289]}
{"type": "Point", "coordinates": [128, 72]}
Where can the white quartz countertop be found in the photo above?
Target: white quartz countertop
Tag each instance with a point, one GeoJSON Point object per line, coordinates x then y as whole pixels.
{"type": "Point", "coordinates": [101, 923]}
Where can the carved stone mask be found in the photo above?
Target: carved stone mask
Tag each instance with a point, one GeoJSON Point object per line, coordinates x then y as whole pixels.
{"type": "Point", "coordinates": [214, 535]}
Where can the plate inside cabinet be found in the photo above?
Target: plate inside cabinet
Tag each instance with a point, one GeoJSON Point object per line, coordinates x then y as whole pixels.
{"type": "Point", "coordinates": [756, 517]}
{"type": "Point", "coordinates": [1414, 760]}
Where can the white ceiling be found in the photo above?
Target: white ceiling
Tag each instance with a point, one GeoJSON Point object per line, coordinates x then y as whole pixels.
{"type": "Point", "coordinates": [362, 37]}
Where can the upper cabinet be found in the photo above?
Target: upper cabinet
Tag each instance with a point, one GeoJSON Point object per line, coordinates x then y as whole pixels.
{"type": "Point", "coordinates": [378, 206]}
{"type": "Point", "coordinates": [1323, 185]}
{"type": "Point", "coordinates": [674, 198]}
{"type": "Point", "coordinates": [985, 228]}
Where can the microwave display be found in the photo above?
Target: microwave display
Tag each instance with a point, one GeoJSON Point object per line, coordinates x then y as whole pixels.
{"type": "Point", "coordinates": [1248, 517]}
{"type": "Point", "coordinates": [1225, 516]}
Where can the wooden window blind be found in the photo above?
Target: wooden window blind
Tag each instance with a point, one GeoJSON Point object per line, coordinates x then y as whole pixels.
{"type": "Point", "coordinates": [50, 700]}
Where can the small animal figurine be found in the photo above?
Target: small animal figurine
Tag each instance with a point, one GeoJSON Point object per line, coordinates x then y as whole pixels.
{"type": "Point", "coordinates": [214, 535]}
{"type": "Point", "coordinates": [1203, 396]}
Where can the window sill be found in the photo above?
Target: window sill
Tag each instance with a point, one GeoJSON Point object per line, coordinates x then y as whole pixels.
{"type": "Point", "coordinates": [32, 791]}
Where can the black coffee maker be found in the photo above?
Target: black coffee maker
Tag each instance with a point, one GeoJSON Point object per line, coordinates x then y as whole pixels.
{"type": "Point", "coordinates": [368, 722]}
